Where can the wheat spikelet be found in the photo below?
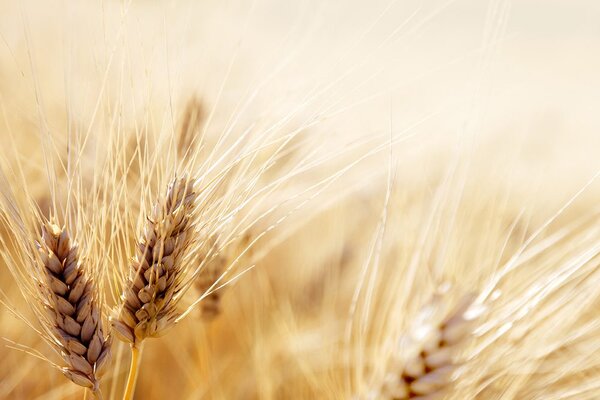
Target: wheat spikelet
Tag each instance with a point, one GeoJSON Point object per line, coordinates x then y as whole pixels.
{"type": "Point", "coordinates": [156, 271]}
{"type": "Point", "coordinates": [427, 373]}
{"type": "Point", "coordinates": [74, 314]}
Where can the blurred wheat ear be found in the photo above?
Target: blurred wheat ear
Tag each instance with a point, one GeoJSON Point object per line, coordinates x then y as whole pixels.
{"type": "Point", "coordinates": [216, 259]}
{"type": "Point", "coordinates": [74, 317]}
{"type": "Point", "coordinates": [214, 266]}
{"type": "Point", "coordinates": [156, 272]}
{"type": "Point", "coordinates": [427, 373]}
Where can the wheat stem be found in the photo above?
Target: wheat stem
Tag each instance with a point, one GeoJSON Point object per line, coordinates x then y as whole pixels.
{"type": "Point", "coordinates": [136, 353]}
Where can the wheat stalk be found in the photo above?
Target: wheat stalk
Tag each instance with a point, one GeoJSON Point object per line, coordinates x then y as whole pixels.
{"type": "Point", "coordinates": [149, 304]}
{"type": "Point", "coordinates": [428, 372]}
{"type": "Point", "coordinates": [74, 315]}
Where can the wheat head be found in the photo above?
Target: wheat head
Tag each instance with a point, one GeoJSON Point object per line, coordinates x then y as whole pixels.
{"type": "Point", "coordinates": [214, 266]}
{"type": "Point", "coordinates": [148, 307]}
{"type": "Point", "coordinates": [74, 314]}
{"type": "Point", "coordinates": [427, 373]}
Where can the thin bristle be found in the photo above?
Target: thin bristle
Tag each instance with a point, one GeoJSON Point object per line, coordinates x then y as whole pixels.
{"type": "Point", "coordinates": [156, 270]}
{"type": "Point", "coordinates": [74, 314]}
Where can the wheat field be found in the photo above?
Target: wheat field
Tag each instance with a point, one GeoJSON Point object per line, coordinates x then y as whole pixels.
{"type": "Point", "coordinates": [265, 199]}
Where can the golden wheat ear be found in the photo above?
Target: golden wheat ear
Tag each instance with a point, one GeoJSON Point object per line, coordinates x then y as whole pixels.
{"type": "Point", "coordinates": [156, 272]}
{"type": "Point", "coordinates": [210, 306]}
{"type": "Point", "coordinates": [72, 305]}
{"type": "Point", "coordinates": [215, 261]}
{"type": "Point", "coordinates": [427, 373]}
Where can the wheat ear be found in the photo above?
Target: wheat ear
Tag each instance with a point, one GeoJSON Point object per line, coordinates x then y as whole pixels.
{"type": "Point", "coordinates": [427, 374]}
{"type": "Point", "coordinates": [74, 314]}
{"type": "Point", "coordinates": [211, 271]}
{"type": "Point", "coordinates": [156, 272]}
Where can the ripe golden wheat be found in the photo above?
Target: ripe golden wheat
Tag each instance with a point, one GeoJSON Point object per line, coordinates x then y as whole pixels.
{"type": "Point", "coordinates": [74, 314]}
{"type": "Point", "coordinates": [156, 272]}
{"type": "Point", "coordinates": [428, 372]}
{"type": "Point", "coordinates": [305, 176]}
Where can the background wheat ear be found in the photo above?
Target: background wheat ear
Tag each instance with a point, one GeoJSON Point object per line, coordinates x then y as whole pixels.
{"type": "Point", "coordinates": [216, 259]}
{"type": "Point", "coordinates": [213, 267]}
{"type": "Point", "coordinates": [74, 315]}
{"type": "Point", "coordinates": [427, 372]}
{"type": "Point", "coordinates": [156, 271]}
